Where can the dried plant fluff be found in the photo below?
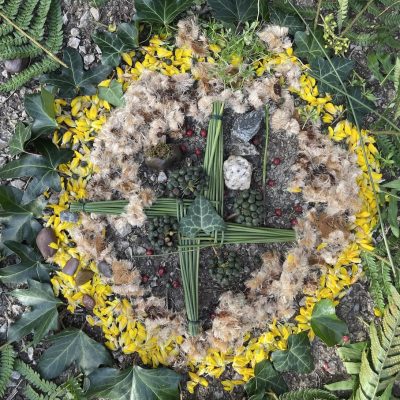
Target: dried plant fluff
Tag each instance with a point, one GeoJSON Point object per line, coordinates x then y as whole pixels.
{"type": "Point", "coordinates": [190, 36]}
{"type": "Point", "coordinates": [276, 38]}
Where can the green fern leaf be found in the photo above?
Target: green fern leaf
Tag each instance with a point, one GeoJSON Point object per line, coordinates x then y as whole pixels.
{"type": "Point", "coordinates": [7, 357]}
{"type": "Point", "coordinates": [380, 365]}
{"type": "Point", "coordinates": [31, 394]}
{"type": "Point", "coordinates": [342, 12]}
{"type": "Point", "coordinates": [308, 394]}
{"type": "Point", "coordinates": [34, 378]}
{"type": "Point", "coordinates": [373, 273]}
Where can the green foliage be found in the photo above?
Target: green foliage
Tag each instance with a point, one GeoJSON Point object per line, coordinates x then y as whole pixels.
{"type": "Point", "coordinates": [112, 45]}
{"type": "Point", "coordinates": [293, 22]}
{"type": "Point", "coordinates": [18, 216]}
{"type": "Point", "coordinates": [243, 44]}
{"type": "Point", "coordinates": [7, 357]}
{"type": "Point", "coordinates": [18, 140]}
{"type": "Point", "coordinates": [201, 216]}
{"type": "Point", "coordinates": [266, 378]}
{"type": "Point", "coordinates": [70, 390]}
{"type": "Point", "coordinates": [113, 94]}
{"type": "Point", "coordinates": [235, 12]}
{"type": "Point", "coordinates": [41, 19]}
{"type": "Point", "coordinates": [379, 361]}
{"type": "Point", "coordinates": [160, 12]}
{"type": "Point", "coordinates": [43, 167]}
{"type": "Point", "coordinates": [134, 383]}
{"type": "Point", "coordinates": [380, 279]}
{"type": "Point", "coordinates": [40, 108]}
{"type": "Point", "coordinates": [308, 394]}
{"type": "Point", "coordinates": [29, 267]}
{"type": "Point", "coordinates": [343, 9]}
{"type": "Point", "coordinates": [72, 345]}
{"type": "Point", "coordinates": [43, 315]}
{"type": "Point", "coordinates": [325, 324]}
{"type": "Point", "coordinates": [377, 26]}
{"type": "Point", "coordinates": [307, 46]}
{"type": "Point", "coordinates": [322, 70]}
{"type": "Point", "coordinates": [74, 80]}
{"type": "Point", "coordinates": [297, 357]}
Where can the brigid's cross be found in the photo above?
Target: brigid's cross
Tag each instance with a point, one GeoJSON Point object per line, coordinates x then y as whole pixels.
{"type": "Point", "coordinates": [189, 248]}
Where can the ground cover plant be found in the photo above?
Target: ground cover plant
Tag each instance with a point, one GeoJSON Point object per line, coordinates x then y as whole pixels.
{"type": "Point", "coordinates": [195, 207]}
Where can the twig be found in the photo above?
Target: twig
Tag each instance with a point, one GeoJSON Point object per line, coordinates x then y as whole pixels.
{"type": "Point", "coordinates": [34, 41]}
{"type": "Point", "coordinates": [317, 15]}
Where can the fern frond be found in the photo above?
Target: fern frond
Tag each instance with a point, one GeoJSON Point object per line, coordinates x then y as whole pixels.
{"type": "Point", "coordinates": [308, 394]}
{"type": "Point", "coordinates": [34, 378]}
{"type": "Point", "coordinates": [380, 365]}
{"type": "Point", "coordinates": [372, 271]}
{"type": "Point", "coordinates": [7, 358]}
{"type": "Point", "coordinates": [74, 389]}
{"type": "Point", "coordinates": [389, 146]}
{"type": "Point", "coordinates": [342, 12]}
{"type": "Point", "coordinates": [396, 74]}
{"type": "Point", "coordinates": [10, 10]}
{"type": "Point", "coordinates": [31, 394]}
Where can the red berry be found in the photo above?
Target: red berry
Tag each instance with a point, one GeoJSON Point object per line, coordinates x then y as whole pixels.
{"type": "Point", "coordinates": [161, 271]}
{"type": "Point", "coordinates": [149, 252]}
{"type": "Point", "coordinates": [203, 133]}
{"type": "Point", "coordinates": [278, 212]}
{"type": "Point", "coordinates": [293, 222]}
{"type": "Point", "coordinates": [176, 284]}
{"type": "Point", "coordinates": [183, 148]}
{"type": "Point", "coordinates": [346, 339]}
{"type": "Point", "coordinates": [298, 208]}
{"type": "Point", "coordinates": [197, 151]}
{"type": "Point", "coordinates": [189, 132]}
{"type": "Point", "coordinates": [276, 161]}
{"type": "Point", "coordinates": [325, 366]}
{"type": "Point", "coordinates": [145, 278]}
{"type": "Point", "coordinates": [271, 182]}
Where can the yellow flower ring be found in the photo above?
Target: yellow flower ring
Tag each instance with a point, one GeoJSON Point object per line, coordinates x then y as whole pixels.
{"type": "Point", "coordinates": [84, 117]}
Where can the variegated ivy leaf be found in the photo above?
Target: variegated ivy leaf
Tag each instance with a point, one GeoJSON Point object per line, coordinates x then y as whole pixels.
{"type": "Point", "coordinates": [201, 216]}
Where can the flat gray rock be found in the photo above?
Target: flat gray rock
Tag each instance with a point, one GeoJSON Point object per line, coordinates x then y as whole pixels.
{"type": "Point", "coordinates": [246, 126]}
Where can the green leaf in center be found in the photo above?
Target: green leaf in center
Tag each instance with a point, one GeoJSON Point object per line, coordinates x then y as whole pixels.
{"type": "Point", "coordinates": [325, 324]}
{"type": "Point", "coordinates": [297, 357]}
{"type": "Point", "coordinates": [201, 216]}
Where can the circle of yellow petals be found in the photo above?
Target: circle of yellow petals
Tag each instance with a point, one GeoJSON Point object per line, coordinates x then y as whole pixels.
{"type": "Point", "coordinates": [79, 122]}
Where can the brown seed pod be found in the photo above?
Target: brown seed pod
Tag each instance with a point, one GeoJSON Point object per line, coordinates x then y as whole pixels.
{"type": "Point", "coordinates": [83, 276]}
{"type": "Point", "coordinates": [43, 239]}
{"type": "Point", "coordinates": [88, 302]}
{"type": "Point", "coordinates": [71, 266]}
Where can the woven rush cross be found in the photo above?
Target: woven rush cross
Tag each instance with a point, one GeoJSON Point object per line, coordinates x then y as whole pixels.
{"type": "Point", "coordinates": [189, 247]}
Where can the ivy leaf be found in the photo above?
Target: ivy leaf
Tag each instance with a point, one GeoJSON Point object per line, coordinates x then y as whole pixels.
{"type": "Point", "coordinates": [72, 345]}
{"type": "Point", "coordinates": [43, 316]}
{"type": "Point", "coordinates": [21, 135]}
{"type": "Point", "coordinates": [18, 216]}
{"type": "Point", "coordinates": [297, 357]}
{"type": "Point", "coordinates": [160, 12]}
{"type": "Point", "coordinates": [322, 70]}
{"type": "Point", "coordinates": [30, 266]}
{"type": "Point", "coordinates": [265, 378]}
{"type": "Point", "coordinates": [357, 110]}
{"type": "Point", "coordinates": [280, 18]}
{"type": "Point", "coordinates": [41, 108]}
{"type": "Point", "coordinates": [112, 45]}
{"type": "Point", "coordinates": [236, 11]}
{"type": "Point", "coordinates": [201, 216]}
{"type": "Point", "coordinates": [308, 47]}
{"type": "Point", "coordinates": [75, 80]}
{"type": "Point", "coordinates": [326, 325]}
{"type": "Point", "coordinates": [134, 383]}
{"type": "Point", "coordinates": [43, 167]}
{"type": "Point", "coordinates": [113, 94]}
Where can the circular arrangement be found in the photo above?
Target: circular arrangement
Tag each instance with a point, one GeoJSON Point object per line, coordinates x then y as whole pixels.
{"type": "Point", "coordinates": [168, 84]}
